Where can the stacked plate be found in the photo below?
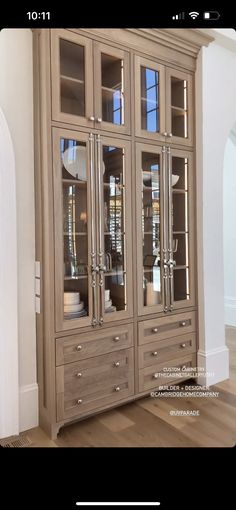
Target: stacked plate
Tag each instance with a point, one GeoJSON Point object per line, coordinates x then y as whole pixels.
{"type": "Point", "coordinates": [109, 307]}
{"type": "Point", "coordinates": [73, 307]}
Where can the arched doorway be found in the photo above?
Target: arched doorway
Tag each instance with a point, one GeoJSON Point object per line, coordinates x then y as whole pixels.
{"type": "Point", "coordinates": [9, 384]}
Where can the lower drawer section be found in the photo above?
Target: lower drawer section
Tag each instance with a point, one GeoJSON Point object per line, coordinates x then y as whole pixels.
{"type": "Point", "coordinates": [94, 383]}
{"type": "Point", "coordinates": [163, 374]}
{"type": "Point", "coordinates": [169, 349]}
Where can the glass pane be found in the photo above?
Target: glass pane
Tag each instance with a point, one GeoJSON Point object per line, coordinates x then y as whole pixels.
{"type": "Point", "coordinates": [151, 229]}
{"type": "Point", "coordinates": [180, 227]}
{"type": "Point", "coordinates": [75, 235]}
{"type": "Point", "coordinates": [149, 99]}
{"type": "Point", "coordinates": [72, 78]}
{"type": "Point", "coordinates": [179, 107]}
{"type": "Point", "coordinates": [112, 89]}
{"type": "Point", "coordinates": [114, 229]}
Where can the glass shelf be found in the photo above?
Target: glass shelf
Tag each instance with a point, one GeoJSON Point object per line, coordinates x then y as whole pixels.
{"type": "Point", "coordinates": [70, 78]}
{"type": "Point", "coordinates": [79, 277]}
{"type": "Point", "coordinates": [74, 181]}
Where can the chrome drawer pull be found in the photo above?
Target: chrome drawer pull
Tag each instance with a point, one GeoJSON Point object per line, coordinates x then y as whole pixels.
{"type": "Point", "coordinates": [116, 364]}
{"type": "Point", "coordinates": [116, 338]}
{"type": "Point", "coordinates": [79, 401]}
{"type": "Point", "coordinates": [155, 376]}
{"type": "Point", "coordinates": [183, 345]}
{"type": "Point", "coordinates": [79, 374]}
{"type": "Point", "coordinates": [79, 347]}
{"type": "Point", "coordinates": [183, 323]}
{"type": "Point", "coordinates": [154, 353]}
{"type": "Point", "coordinates": [155, 330]}
{"type": "Point", "coordinates": [117, 388]}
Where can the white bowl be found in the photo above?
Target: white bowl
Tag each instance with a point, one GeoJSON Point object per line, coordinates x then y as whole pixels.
{"type": "Point", "coordinates": [175, 179]}
{"type": "Point", "coordinates": [108, 304]}
{"type": "Point", "coordinates": [71, 298]}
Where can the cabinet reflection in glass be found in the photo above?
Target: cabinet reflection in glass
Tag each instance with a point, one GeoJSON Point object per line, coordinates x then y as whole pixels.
{"type": "Point", "coordinates": [114, 228]}
{"type": "Point", "coordinates": [112, 89]}
{"type": "Point", "coordinates": [151, 228]}
{"type": "Point", "coordinates": [75, 235]}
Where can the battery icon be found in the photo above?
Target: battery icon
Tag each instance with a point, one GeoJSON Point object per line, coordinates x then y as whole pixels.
{"type": "Point", "coordinates": [212, 15]}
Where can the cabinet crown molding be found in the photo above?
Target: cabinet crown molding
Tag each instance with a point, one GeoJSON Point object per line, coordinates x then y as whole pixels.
{"type": "Point", "coordinates": [185, 40]}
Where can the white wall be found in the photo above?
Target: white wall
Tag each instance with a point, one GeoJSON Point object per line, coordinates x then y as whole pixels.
{"type": "Point", "coordinates": [216, 114]}
{"type": "Point", "coordinates": [230, 231]}
{"type": "Point", "coordinates": [16, 101]}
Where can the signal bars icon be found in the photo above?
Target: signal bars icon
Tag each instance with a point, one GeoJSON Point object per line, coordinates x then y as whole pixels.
{"type": "Point", "coordinates": [181, 15]}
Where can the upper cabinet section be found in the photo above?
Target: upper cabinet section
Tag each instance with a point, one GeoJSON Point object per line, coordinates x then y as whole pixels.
{"type": "Point", "coordinates": [90, 83]}
{"type": "Point", "coordinates": [179, 106]}
{"type": "Point", "coordinates": [163, 99]}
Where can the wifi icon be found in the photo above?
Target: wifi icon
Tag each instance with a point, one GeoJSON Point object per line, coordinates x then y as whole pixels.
{"type": "Point", "coordinates": [194, 14]}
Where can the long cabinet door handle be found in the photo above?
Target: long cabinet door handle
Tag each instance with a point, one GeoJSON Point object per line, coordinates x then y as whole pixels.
{"type": "Point", "coordinates": [101, 264]}
{"type": "Point", "coordinates": [93, 245]}
{"type": "Point", "coordinates": [170, 232]}
{"type": "Point", "coordinates": [164, 236]}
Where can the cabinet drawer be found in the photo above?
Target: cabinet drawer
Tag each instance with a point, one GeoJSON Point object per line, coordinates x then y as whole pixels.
{"type": "Point", "coordinates": [95, 396]}
{"type": "Point", "coordinates": [87, 345]}
{"type": "Point", "coordinates": [166, 327]}
{"type": "Point", "coordinates": [165, 350]}
{"type": "Point", "coordinates": [91, 375]}
{"type": "Point", "coordinates": [177, 370]}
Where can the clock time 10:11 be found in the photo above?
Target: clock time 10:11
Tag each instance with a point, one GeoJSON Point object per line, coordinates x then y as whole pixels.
{"type": "Point", "coordinates": [39, 15]}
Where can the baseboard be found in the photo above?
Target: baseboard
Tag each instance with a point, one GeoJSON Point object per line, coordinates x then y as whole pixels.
{"type": "Point", "coordinates": [28, 406]}
{"type": "Point", "coordinates": [230, 311]}
{"type": "Point", "coordinates": [215, 364]}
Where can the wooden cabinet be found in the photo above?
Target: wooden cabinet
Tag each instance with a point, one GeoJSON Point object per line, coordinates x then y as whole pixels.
{"type": "Point", "coordinates": [115, 215]}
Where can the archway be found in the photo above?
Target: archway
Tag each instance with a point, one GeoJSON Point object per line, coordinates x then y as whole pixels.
{"type": "Point", "coordinates": [9, 384]}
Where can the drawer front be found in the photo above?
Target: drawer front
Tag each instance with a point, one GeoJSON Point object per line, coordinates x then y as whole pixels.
{"type": "Point", "coordinates": [91, 375]}
{"type": "Point", "coordinates": [152, 377]}
{"type": "Point", "coordinates": [165, 350]}
{"type": "Point", "coordinates": [166, 327]}
{"type": "Point", "coordinates": [88, 345]}
{"type": "Point", "coordinates": [79, 405]}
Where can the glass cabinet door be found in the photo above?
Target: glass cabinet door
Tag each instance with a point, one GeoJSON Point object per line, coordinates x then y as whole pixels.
{"type": "Point", "coordinates": [112, 88]}
{"type": "Point", "coordinates": [72, 78]}
{"type": "Point", "coordinates": [114, 230]}
{"type": "Point", "coordinates": [73, 218]}
{"type": "Point", "coordinates": [179, 106]}
{"type": "Point", "coordinates": [152, 296]}
{"type": "Point", "coordinates": [182, 227]}
{"type": "Point", "coordinates": [149, 99]}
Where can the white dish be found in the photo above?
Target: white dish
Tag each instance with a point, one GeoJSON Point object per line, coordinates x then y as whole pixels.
{"type": "Point", "coordinates": [110, 309]}
{"type": "Point", "coordinates": [74, 161]}
{"type": "Point", "coordinates": [107, 295]}
{"type": "Point", "coordinates": [71, 298]}
{"type": "Point", "coordinates": [75, 315]}
{"type": "Point", "coordinates": [175, 179]}
{"type": "Point", "coordinates": [74, 308]}
{"type": "Point", "coordinates": [108, 304]}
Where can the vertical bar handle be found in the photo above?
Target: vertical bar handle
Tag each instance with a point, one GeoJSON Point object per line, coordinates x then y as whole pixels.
{"type": "Point", "coordinates": [170, 231]}
{"type": "Point", "coordinates": [93, 249]}
{"type": "Point", "coordinates": [165, 266]}
{"type": "Point", "coordinates": [101, 265]}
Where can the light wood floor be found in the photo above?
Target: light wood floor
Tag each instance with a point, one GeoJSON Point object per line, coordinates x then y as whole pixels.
{"type": "Point", "coordinates": [147, 422]}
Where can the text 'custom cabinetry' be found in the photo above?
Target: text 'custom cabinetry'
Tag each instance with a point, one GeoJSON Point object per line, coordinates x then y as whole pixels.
{"type": "Point", "coordinates": [115, 180]}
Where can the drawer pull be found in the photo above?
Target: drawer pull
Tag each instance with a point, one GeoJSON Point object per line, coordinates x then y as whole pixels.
{"type": "Point", "coordinates": [79, 401]}
{"type": "Point", "coordinates": [183, 323]}
{"type": "Point", "coordinates": [79, 347]}
{"type": "Point", "coordinates": [116, 338]}
{"type": "Point", "coordinates": [154, 353]}
{"type": "Point", "coordinates": [155, 330]}
{"type": "Point", "coordinates": [79, 374]}
{"type": "Point", "coordinates": [155, 376]}
{"type": "Point", "coordinates": [183, 345]}
{"type": "Point", "coordinates": [116, 364]}
{"type": "Point", "coordinates": [117, 388]}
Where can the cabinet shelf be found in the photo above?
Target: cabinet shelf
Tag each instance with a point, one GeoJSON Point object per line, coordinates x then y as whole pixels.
{"type": "Point", "coordinates": [178, 190]}
{"type": "Point", "coordinates": [79, 277]}
{"type": "Point", "coordinates": [74, 181]}
{"type": "Point", "coordinates": [114, 273]}
{"type": "Point", "coordinates": [179, 110]}
{"type": "Point", "coordinates": [75, 234]}
{"type": "Point", "coordinates": [116, 88]}
{"type": "Point", "coordinates": [183, 232]}
{"type": "Point", "coordinates": [180, 267]}
{"type": "Point", "coordinates": [114, 234]}
{"type": "Point", "coordinates": [69, 78]}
